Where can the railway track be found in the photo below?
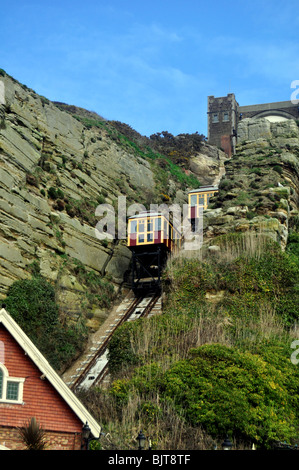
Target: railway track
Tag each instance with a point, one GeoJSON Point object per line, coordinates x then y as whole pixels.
{"type": "Point", "coordinates": [95, 368]}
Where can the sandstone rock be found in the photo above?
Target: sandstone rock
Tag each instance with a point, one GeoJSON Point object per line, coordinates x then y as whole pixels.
{"type": "Point", "coordinates": [214, 248]}
{"type": "Point", "coordinates": [237, 210]}
{"type": "Point", "coordinates": [70, 282]}
{"type": "Point", "coordinates": [81, 162]}
{"type": "Point", "coordinates": [287, 129]}
{"type": "Point", "coordinates": [119, 263]}
{"type": "Point", "coordinates": [208, 165]}
{"type": "Point", "coordinates": [254, 129]}
{"type": "Point", "coordinates": [263, 175]}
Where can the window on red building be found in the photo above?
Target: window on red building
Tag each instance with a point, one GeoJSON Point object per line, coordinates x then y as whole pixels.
{"type": "Point", "coordinates": [11, 388]}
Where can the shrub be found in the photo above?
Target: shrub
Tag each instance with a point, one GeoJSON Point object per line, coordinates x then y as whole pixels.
{"type": "Point", "coordinates": [32, 180]}
{"type": "Point", "coordinates": [225, 389]}
{"type": "Point", "coordinates": [33, 435]}
{"type": "Point", "coordinates": [31, 302]}
{"type": "Point", "coordinates": [226, 184]}
{"type": "Point", "coordinates": [278, 169]}
{"type": "Point", "coordinates": [55, 193]}
{"type": "Point", "coordinates": [250, 215]}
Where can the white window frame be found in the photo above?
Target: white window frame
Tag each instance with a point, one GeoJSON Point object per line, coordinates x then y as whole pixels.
{"type": "Point", "coordinates": [215, 118]}
{"type": "Point", "coordinates": [6, 378]}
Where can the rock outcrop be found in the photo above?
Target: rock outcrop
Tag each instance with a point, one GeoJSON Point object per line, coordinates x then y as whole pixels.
{"type": "Point", "coordinates": [53, 173]}
{"type": "Point", "coordinates": [259, 192]}
{"type": "Point", "coordinates": [209, 165]}
{"type": "Point", "coordinates": [58, 163]}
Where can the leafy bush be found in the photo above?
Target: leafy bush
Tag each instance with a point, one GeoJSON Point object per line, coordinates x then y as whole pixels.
{"type": "Point", "coordinates": [226, 184]}
{"type": "Point", "coordinates": [278, 169]}
{"type": "Point", "coordinates": [293, 243]}
{"type": "Point", "coordinates": [32, 305]}
{"type": "Point", "coordinates": [224, 389]}
{"type": "Point", "coordinates": [31, 302]}
{"type": "Point", "coordinates": [220, 389]}
{"type": "Point", "coordinates": [54, 193]}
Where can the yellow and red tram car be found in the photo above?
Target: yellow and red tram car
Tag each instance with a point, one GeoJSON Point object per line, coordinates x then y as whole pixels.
{"type": "Point", "coordinates": [198, 199]}
{"type": "Point", "coordinates": [151, 238]}
{"type": "Point", "coordinates": [149, 229]}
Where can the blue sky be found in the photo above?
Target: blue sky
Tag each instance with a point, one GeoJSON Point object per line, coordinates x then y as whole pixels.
{"type": "Point", "coordinates": [152, 64]}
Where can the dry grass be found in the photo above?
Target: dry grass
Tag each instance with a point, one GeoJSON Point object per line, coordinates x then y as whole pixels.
{"type": "Point", "coordinates": [267, 325]}
{"type": "Point", "coordinates": [159, 421]}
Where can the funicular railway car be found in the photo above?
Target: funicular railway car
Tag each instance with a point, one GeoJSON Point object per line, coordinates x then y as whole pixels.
{"type": "Point", "coordinates": [151, 238]}
{"type": "Point", "coordinates": [198, 200]}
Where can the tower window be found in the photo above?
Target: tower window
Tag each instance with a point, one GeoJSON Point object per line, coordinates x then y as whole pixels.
{"type": "Point", "coordinates": [225, 116]}
{"type": "Point", "coordinates": [215, 118]}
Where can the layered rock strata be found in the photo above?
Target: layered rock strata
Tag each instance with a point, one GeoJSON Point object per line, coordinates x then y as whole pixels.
{"type": "Point", "coordinates": [259, 191]}
{"type": "Point", "coordinates": [53, 173]}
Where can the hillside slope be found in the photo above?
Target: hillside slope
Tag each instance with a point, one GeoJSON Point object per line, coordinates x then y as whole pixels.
{"type": "Point", "coordinates": [221, 357]}
{"type": "Point", "coordinates": [58, 163]}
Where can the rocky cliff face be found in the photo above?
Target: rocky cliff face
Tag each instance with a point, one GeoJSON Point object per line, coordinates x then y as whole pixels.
{"type": "Point", "coordinates": [259, 192]}
{"type": "Point", "coordinates": [55, 169]}
{"type": "Point", "coordinates": [54, 172]}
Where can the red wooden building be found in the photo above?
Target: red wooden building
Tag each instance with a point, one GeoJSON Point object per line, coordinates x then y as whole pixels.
{"type": "Point", "coordinates": [29, 387]}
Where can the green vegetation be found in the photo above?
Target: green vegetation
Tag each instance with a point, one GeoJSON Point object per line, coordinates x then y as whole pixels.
{"type": "Point", "coordinates": [31, 302]}
{"type": "Point", "coordinates": [293, 243]}
{"type": "Point", "coordinates": [224, 388]}
{"type": "Point", "coordinates": [90, 122]}
{"type": "Point", "coordinates": [98, 290]}
{"type": "Point", "coordinates": [170, 154]}
{"type": "Point", "coordinates": [83, 209]}
{"type": "Point", "coordinates": [217, 360]}
{"type": "Point", "coordinates": [55, 193]}
{"type": "Point", "coordinates": [33, 435]}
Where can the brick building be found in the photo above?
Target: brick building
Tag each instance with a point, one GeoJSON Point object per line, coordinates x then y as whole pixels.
{"type": "Point", "coordinates": [224, 114]}
{"type": "Point", "coordinates": [29, 387]}
{"type": "Point", "coordinates": [222, 122]}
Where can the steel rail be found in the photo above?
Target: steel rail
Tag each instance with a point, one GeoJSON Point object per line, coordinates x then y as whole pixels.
{"type": "Point", "coordinates": [152, 302]}
{"type": "Point", "coordinates": [104, 372]}
{"type": "Point", "coordinates": [103, 346]}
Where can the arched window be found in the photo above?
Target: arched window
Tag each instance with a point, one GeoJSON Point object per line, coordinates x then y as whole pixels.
{"type": "Point", "coordinates": [11, 388]}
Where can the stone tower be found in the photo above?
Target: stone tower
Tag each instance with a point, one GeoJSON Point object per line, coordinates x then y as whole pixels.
{"type": "Point", "coordinates": [224, 114]}
{"type": "Point", "coordinates": [222, 122]}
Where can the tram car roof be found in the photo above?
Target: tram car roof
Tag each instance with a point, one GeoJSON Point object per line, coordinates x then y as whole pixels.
{"type": "Point", "coordinates": [204, 189]}
{"type": "Point", "coordinates": [143, 215]}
